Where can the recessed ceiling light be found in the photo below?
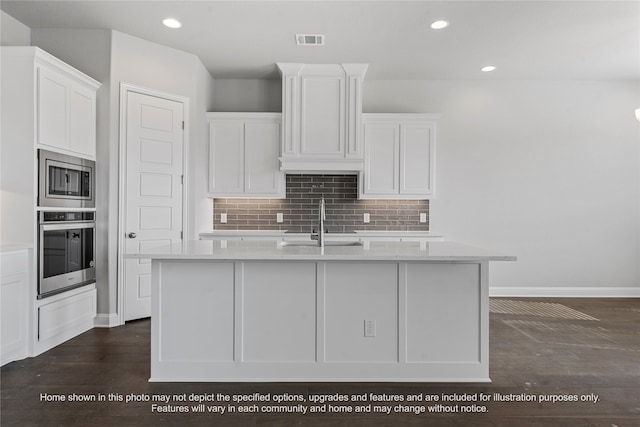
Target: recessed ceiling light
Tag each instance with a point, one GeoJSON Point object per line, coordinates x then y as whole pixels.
{"type": "Point", "coordinates": [172, 23]}
{"type": "Point", "coordinates": [439, 25]}
{"type": "Point", "coordinates": [488, 68]}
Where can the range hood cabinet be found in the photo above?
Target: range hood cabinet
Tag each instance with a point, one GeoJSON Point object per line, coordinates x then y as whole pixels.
{"type": "Point", "coordinates": [322, 118]}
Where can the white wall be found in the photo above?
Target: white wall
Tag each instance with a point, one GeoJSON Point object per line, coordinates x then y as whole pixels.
{"type": "Point", "coordinates": [545, 170]}
{"type": "Point", "coordinates": [13, 32]}
{"type": "Point", "coordinates": [247, 95]}
{"type": "Point", "coordinates": [16, 196]}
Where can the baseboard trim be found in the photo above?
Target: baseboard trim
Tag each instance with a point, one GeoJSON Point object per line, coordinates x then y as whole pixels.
{"type": "Point", "coordinates": [106, 320]}
{"type": "Point", "coordinates": [568, 292]}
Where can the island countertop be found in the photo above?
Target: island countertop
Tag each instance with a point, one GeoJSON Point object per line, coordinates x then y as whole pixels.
{"type": "Point", "coordinates": [276, 250]}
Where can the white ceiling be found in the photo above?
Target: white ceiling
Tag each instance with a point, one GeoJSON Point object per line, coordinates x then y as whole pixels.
{"type": "Point", "coordinates": [244, 39]}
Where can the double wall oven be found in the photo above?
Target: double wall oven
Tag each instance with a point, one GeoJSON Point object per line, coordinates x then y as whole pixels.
{"type": "Point", "coordinates": [66, 223]}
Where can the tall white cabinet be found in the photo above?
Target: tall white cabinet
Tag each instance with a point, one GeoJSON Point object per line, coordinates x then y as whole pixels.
{"type": "Point", "coordinates": [46, 104]}
{"type": "Point", "coordinates": [399, 161]}
{"type": "Point", "coordinates": [243, 155]}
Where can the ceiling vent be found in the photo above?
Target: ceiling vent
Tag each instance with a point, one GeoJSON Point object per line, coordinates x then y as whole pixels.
{"type": "Point", "coordinates": [310, 39]}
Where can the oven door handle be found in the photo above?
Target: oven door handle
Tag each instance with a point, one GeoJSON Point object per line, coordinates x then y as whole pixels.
{"type": "Point", "coordinates": [67, 226]}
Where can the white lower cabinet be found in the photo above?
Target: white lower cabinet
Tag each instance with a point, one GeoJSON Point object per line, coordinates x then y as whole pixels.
{"type": "Point", "coordinates": [399, 160]}
{"type": "Point", "coordinates": [243, 155]}
{"type": "Point", "coordinates": [14, 305]}
{"type": "Point", "coordinates": [64, 316]}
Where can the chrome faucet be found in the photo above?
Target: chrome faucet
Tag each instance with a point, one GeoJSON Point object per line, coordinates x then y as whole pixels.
{"type": "Point", "coordinates": [319, 236]}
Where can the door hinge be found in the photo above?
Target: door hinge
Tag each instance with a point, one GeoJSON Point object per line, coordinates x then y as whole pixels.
{"type": "Point", "coordinates": [181, 235]}
{"type": "Point", "coordinates": [183, 125]}
{"type": "Point", "coordinates": [182, 179]}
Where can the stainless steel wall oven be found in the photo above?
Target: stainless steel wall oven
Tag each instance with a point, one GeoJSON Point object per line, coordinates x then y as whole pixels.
{"type": "Point", "coordinates": [66, 251]}
{"type": "Point", "coordinates": [65, 181]}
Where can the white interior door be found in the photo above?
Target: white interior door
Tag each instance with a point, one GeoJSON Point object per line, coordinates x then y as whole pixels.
{"type": "Point", "coordinates": [153, 210]}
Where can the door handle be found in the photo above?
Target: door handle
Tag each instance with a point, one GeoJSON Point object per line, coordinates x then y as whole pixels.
{"type": "Point", "coordinates": [132, 235]}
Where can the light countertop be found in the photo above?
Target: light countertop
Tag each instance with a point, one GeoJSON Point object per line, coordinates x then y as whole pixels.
{"type": "Point", "coordinates": [285, 234]}
{"type": "Point", "coordinates": [274, 250]}
{"type": "Point", "coordinates": [12, 247]}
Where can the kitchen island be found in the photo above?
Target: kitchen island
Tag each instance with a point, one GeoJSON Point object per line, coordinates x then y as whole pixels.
{"type": "Point", "coordinates": [272, 311]}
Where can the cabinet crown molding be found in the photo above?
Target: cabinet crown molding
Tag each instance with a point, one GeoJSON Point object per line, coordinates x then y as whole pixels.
{"type": "Point", "coordinates": [407, 117]}
{"type": "Point", "coordinates": [294, 69]}
{"type": "Point", "coordinates": [42, 57]}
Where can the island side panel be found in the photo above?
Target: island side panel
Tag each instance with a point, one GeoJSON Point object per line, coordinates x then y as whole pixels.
{"type": "Point", "coordinates": [278, 312]}
{"type": "Point", "coordinates": [443, 313]}
{"type": "Point", "coordinates": [357, 293]}
{"type": "Point", "coordinates": [195, 300]}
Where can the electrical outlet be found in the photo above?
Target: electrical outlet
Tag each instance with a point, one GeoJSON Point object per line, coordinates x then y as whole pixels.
{"type": "Point", "coordinates": [366, 218]}
{"type": "Point", "coordinates": [423, 217]}
{"type": "Point", "coordinates": [279, 218]}
{"type": "Point", "coordinates": [369, 328]}
{"type": "Point", "coordinates": [223, 218]}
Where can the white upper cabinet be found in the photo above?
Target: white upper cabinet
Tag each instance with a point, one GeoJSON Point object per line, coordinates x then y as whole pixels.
{"type": "Point", "coordinates": [226, 156]}
{"type": "Point", "coordinates": [321, 117]}
{"type": "Point", "coordinates": [66, 107]}
{"type": "Point", "coordinates": [243, 155]}
{"type": "Point", "coordinates": [53, 107]}
{"type": "Point", "coordinates": [417, 161]}
{"type": "Point", "coordinates": [261, 150]}
{"type": "Point", "coordinates": [399, 156]}
{"type": "Point", "coordinates": [382, 148]}
{"type": "Point", "coordinates": [82, 120]}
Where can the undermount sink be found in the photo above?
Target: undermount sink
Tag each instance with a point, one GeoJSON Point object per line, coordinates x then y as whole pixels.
{"type": "Point", "coordinates": [314, 243]}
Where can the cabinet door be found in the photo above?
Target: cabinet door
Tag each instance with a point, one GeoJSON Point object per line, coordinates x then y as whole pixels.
{"type": "Point", "coordinates": [82, 120]}
{"type": "Point", "coordinates": [322, 127]}
{"type": "Point", "coordinates": [262, 175]}
{"type": "Point", "coordinates": [381, 158]}
{"type": "Point", "coordinates": [226, 157]}
{"type": "Point", "coordinates": [416, 159]}
{"type": "Point", "coordinates": [53, 109]}
{"type": "Point", "coordinates": [14, 306]}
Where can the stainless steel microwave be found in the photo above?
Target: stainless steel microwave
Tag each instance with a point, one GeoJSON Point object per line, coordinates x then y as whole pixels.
{"type": "Point", "coordinates": [65, 181]}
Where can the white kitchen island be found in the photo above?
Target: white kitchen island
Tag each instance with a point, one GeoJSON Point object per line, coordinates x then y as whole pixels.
{"type": "Point", "coordinates": [263, 311]}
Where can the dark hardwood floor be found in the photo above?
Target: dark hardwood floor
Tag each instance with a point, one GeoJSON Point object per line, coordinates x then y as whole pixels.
{"type": "Point", "coordinates": [546, 348]}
